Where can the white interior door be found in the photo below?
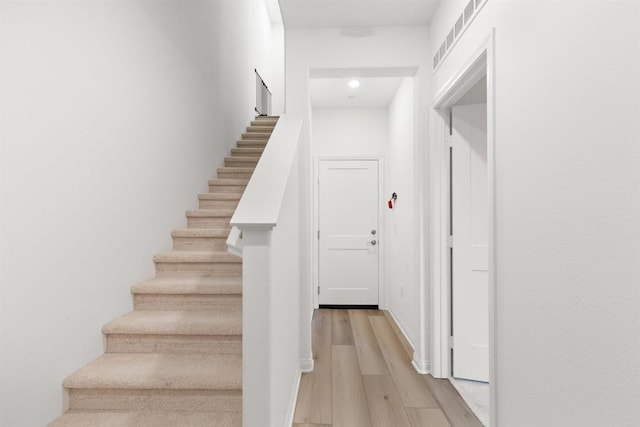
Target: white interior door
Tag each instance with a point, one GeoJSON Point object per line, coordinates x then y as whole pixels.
{"type": "Point", "coordinates": [348, 232]}
{"type": "Point", "coordinates": [470, 230]}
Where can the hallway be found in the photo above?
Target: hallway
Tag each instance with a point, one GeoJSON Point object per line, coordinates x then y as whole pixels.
{"type": "Point", "coordinates": [363, 377]}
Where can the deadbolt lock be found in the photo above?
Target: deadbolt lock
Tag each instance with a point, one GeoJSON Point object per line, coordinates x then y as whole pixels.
{"type": "Point", "coordinates": [373, 232]}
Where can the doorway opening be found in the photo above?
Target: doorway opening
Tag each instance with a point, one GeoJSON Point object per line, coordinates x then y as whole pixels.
{"type": "Point", "coordinates": [463, 347]}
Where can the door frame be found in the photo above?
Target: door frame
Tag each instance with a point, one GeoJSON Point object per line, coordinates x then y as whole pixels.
{"type": "Point", "coordinates": [316, 208]}
{"type": "Point", "coordinates": [477, 65]}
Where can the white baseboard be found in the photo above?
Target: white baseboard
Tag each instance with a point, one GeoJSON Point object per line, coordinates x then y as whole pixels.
{"type": "Point", "coordinates": [404, 333]}
{"type": "Point", "coordinates": [420, 365]}
{"type": "Point", "coordinates": [293, 401]}
{"type": "Point", "coordinates": [306, 365]}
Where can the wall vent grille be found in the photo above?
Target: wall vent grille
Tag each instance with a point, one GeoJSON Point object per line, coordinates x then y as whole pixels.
{"type": "Point", "coordinates": [468, 14]}
{"type": "Point", "coordinates": [468, 11]}
{"type": "Point", "coordinates": [450, 38]}
{"type": "Point", "coordinates": [458, 26]}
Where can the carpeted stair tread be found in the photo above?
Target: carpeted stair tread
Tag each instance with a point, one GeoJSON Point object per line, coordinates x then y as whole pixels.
{"type": "Point", "coordinates": [177, 323]}
{"type": "Point", "coordinates": [156, 371]}
{"type": "Point", "coordinates": [190, 286]}
{"type": "Point", "coordinates": [201, 232]}
{"type": "Point", "coordinates": [196, 257]}
{"type": "Point", "coordinates": [148, 419]}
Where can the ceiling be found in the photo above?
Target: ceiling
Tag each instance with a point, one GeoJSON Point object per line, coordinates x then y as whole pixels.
{"type": "Point", "coordinates": [329, 88]}
{"type": "Point", "coordinates": [373, 92]}
{"type": "Point", "coordinates": [355, 13]}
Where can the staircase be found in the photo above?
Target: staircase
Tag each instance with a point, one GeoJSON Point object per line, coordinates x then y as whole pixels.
{"type": "Point", "coordinates": [176, 360]}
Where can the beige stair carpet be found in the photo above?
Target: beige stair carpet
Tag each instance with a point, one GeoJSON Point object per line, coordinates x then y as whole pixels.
{"type": "Point", "coordinates": [176, 359]}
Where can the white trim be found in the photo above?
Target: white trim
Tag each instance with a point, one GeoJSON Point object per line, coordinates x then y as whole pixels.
{"type": "Point", "coordinates": [464, 80]}
{"type": "Point", "coordinates": [420, 365]}
{"type": "Point", "coordinates": [307, 365]}
{"type": "Point", "coordinates": [293, 400]}
{"type": "Point", "coordinates": [316, 243]}
{"type": "Point", "coordinates": [480, 63]}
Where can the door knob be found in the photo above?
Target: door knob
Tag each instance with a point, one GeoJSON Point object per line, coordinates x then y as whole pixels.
{"type": "Point", "coordinates": [373, 242]}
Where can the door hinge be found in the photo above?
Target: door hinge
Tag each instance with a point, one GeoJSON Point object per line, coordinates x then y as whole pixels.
{"type": "Point", "coordinates": [318, 234]}
{"type": "Point", "coordinates": [450, 241]}
{"type": "Point", "coordinates": [450, 342]}
{"type": "Point", "coordinates": [318, 290]}
{"type": "Point", "coordinates": [449, 141]}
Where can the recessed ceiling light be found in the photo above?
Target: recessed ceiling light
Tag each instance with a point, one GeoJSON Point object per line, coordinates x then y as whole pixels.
{"type": "Point", "coordinates": [354, 83]}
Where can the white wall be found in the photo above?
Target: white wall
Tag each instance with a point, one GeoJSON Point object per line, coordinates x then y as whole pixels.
{"type": "Point", "coordinates": [307, 49]}
{"type": "Point", "coordinates": [349, 132]}
{"type": "Point", "coordinates": [401, 237]}
{"type": "Point", "coordinates": [114, 115]}
{"type": "Point", "coordinates": [567, 208]}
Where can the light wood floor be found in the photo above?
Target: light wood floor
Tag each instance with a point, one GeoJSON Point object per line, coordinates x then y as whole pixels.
{"type": "Point", "coordinates": [363, 377]}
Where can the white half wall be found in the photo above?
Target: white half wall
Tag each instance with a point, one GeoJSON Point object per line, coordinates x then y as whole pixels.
{"type": "Point", "coordinates": [114, 115]}
{"type": "Point", "coordinates": [567, 206]}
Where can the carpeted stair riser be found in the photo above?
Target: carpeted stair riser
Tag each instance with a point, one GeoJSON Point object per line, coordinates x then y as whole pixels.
{"type": "Point", "coordinates": [174, 344]}
{"type": "Point", "coordinates": [188, 302]}
{"type": "Point", "coordinates": [208, 221]}
{"type": "Point", "coordinates": [260, 129]}
{"type": "Point", "coordinates": [219, 294]}
{"type": "Point", "coordinates": [247, 152]}
{"type": "Point", "coordinates": [209, 218]}
{"type": "Point", "coordinates": [264, 121]}
{"type": "Point", "coordinates": [176, 332]}
{"type": "Point", "coordinates": [212, 204]}
{"type": "Point", "coordinates": [236, 185]}
{"type": "Point", "coordinates": [155, 400]}
{"type": "Point", "coordinates": [204, 382]}
{"type": "Point", "coordinates": [148, 419]}
{"type": "Point", "coordinates": [196, 264]}
{"type": "Point", "coordinates": [199, 243]}
{"type": "Point", "coordinates": [244, 162]}
{"type": "Point", "coordinates": [187, 239]}
{"type": "Point", "coordinates": [251, 143]}
{"type": "Point", "coordinates": [235, 173]}
{"type": "Point", "coordinates": [178, 269]}
{"type": "Point", "coordinates": [256, 136]}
